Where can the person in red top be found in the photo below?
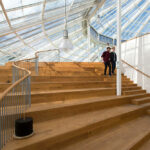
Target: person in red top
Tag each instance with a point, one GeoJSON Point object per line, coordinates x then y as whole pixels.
{"type": "Point", "coordinates": [106, 59]}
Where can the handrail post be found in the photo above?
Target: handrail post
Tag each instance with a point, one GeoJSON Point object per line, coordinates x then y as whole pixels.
{"type": "Point", "coordinates": [58, 55]}
{"type": "Point", "coordinates": [118, 48]}
{"type": "Point", "coordinates": [0, 126]}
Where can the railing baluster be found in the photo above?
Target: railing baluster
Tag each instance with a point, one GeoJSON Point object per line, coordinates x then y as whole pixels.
{"type": "Point", "coordinates": [0, 125]}
{"type": "Point", "coordinates": [6, 117]}
{"type": "Point", "coordinates": [17, 98]}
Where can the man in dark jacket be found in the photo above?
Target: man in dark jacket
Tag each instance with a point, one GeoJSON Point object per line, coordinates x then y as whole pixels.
{"type": "Point", "coordinates": [106, 59]}
{"type": "Point", "coordinates": [113, 59]}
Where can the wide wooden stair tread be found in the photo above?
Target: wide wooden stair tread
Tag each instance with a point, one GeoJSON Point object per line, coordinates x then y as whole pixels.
{"type": "Point", "coordinates": [141, 100]}
{"type": "Point", "coordinates": [49, 130]}
{"type": "Point", "coordinates": [145, 146]}
{"type": "Point", "coordinates": [82, 101]}
{"type": "Point", "coordinates": [122, 137]}
{"type": "Point", "coordinates": [58, 95]}
{"type": "Point", "coordinates": [56, 104]}
{"type": "Point", "coordinates": [82, 90]}
{"type": "Point", "coordinates": [62, 78]}
{"type": "Point", "coordinates": [37, 86]}
{"type": "Point", "coordinates": [56, 109]}
{"type": "Point", "coordinates": [133, 92]}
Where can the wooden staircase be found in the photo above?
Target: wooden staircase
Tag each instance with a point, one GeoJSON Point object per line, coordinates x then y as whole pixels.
{"type": "Point", "coordinates": [75, 107]}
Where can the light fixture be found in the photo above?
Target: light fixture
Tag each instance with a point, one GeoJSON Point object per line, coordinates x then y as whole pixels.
{"type": "Point", "coordinates": [98, 20]}
{"type": "Point", "coordinates": [66, 43]}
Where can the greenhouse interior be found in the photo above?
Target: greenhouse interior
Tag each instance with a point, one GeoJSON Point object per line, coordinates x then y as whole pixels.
{"type": "Point", "coordinates": [74, 75]}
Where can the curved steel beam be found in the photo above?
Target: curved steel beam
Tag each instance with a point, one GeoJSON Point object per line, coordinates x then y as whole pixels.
{"type": "Point", "coordinates": [11, 28]}
{"type": "Point", "coordinates": [37, 21]}
{"type": "Point", "coordinates": [6, 53]}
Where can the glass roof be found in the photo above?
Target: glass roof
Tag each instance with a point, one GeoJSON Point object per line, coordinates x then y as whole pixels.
{"type": "Point", "coordinates": [135, 18]}
{"type": "Point", "coordinates": [27, 26]}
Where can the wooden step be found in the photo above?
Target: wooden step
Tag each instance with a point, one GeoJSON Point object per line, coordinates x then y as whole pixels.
{"type": "Point", "coordinates": [53, 110]}
{"type": "Point", "coordinates": [101, 70]}
{"type": "Point", "coordinates": [145, 144]}
{"type": "Point", "coordinates": [74, 64]}
{"type": "Point", "coordinates": [5, 70]}
{"type": "Point", "coordinates": [45, 72]}
{"type": "Point", "coordinates": [41, 86]}
{"type": "Point", "coordinates": [4, 86]}
{"type": "Point", "coordinates": [62, 95]}
{"type": "Point", "coordinates": [141, 100]}
{"type": "Point", "coordinates": [133, 92]}
{"type": "Point", "coordinates": [8, 79]}
{"type": "Point", "coordinates": [148, 111]}
{"type": "Point", "coordinates": [51, 133]}
{"type": "Point", "coordinates": [122, 137]}
{"type": "Point", "coordinates": [76, 68]}
{"type": "Point", "coordinates": [5, 78]}
{"type": "Point", "coordinates": [77, 85]}
{"type": "Point", "coordinates": [6, 67]}
{"type": "Point", "coordinates": [85, 100]}
{"type": "Point", "coordinates": [70, 78]}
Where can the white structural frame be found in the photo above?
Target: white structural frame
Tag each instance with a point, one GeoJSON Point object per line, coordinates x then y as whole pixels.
{"type": "Point", "coordinates": [119, 90]}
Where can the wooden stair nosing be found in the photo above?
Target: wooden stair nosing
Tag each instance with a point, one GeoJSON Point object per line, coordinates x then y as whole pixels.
{"type": "Point", "coordinates": [79, 106]}
{"type": "Point", "coordinates": [141, 100]}
{"type": "Point", "coordinates": [137, 143]}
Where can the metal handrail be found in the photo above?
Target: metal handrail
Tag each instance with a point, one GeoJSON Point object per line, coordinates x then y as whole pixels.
{"type": "Point", "coordinates": [36, 54]}
{"type": "Point", "coordinates": [16, 83]}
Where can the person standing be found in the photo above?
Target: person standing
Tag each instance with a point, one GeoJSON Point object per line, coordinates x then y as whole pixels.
{"type": "Point", "coordinates": [113, 59]}
{"type": "Point", "coordinates": [106, 59]}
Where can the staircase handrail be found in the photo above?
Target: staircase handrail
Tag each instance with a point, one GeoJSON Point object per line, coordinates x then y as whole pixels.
{"type": "Point", "coordinates": [148, 76]}
{"type": "Point", "coordinates": [14, 101]}
{"type": "Point", "coordinates": [17, 82]}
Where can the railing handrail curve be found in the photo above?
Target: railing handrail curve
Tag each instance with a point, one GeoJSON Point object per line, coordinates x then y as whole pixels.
{"type": "Point", "coordinates": [17, 82]}
{"type": "Point", "coordinates": [36, 54]}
